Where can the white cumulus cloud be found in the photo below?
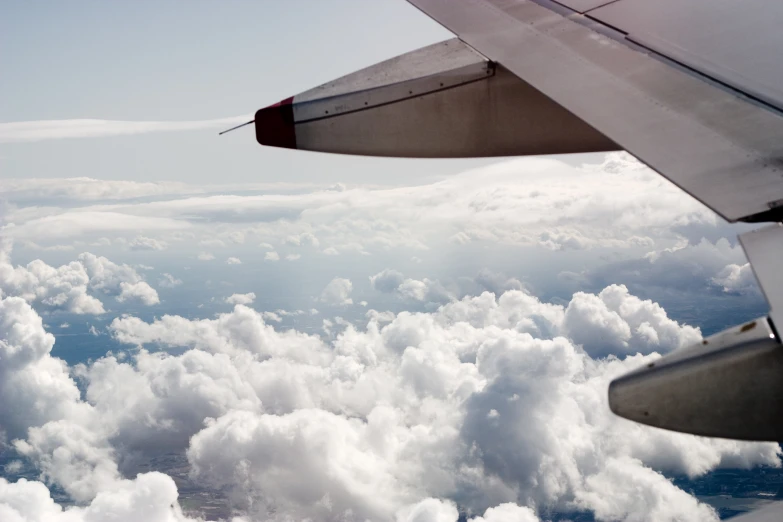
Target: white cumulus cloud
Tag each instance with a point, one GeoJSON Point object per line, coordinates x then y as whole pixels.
{"type": "Point", "coordinates": [140, 291]}
{"type": "Point", "coordinates": [426, 290]}
{"type": "Point", "coordinates": [73, 287]}
{"type": "Point", "coordinates": [146, 243]}
{"type": "Point", "coordinates": [737, 278]}
{"type": "Point", "coordinates": [151, 497]}
{"type": "Point", "coordinates": [243, 299]}
{"type": "Point", "coordinates": [485, 365]}
{"type": "Point", "coordinates": [412, 416]}
{"type": "Point", "coordinates": [337, 292]}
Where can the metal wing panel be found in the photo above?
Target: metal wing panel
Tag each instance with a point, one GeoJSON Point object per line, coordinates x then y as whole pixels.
{"type": "Point", "coordinates": [739, 43]}
{"type": "Point", "coordinates": [430, 61]}
{"type": "Point", "coordinates": [711, 142]}
{"type": "Point", "coordinates": [308, 107]}
{"type": "Point", "coordinates": [495, 116]}
{"type": "Point", "coordinates": [582, 6]}
{"type": "Point", "coordinates": [764, 248]}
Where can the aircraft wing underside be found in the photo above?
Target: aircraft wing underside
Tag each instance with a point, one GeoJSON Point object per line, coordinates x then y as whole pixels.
{"type": "Point", "coordinates": [693, 88]}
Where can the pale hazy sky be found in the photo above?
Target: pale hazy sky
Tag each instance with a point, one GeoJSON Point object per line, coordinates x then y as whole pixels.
{"type": "Point", "coordinates": [162, 61]}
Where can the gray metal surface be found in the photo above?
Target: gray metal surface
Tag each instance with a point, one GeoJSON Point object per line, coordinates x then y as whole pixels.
{"type": "Point", "coordinates": [764, 248]}
{"type": "Point", "coordinates": [582, 6]}
{"type": "Point", "coordinates": [737, 42]}
{"type": "Point", "coordinates": [427, 61]}
{"type": "Point", "coordinates": [307, 108]}
{"type": "Point", "coordinates": [499, 115]}
{"type": "Point", "coordinates": [714, 144]}
{"type": "Point", "coordinates": [727, 386]}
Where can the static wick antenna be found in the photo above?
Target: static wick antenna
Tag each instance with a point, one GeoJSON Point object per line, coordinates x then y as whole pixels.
{"type": "Point", "coordinates": [237, 127]}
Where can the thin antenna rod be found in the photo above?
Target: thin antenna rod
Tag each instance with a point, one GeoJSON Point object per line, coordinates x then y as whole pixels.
{"type": "Point", "coordinates": [235, 128]}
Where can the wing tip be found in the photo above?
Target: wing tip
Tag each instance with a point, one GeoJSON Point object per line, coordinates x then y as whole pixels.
{"type": "Point", "coordinates": [275, 126]}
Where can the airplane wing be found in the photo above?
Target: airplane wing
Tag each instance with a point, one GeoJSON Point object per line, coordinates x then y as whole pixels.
{"type": "Point", "coordinates": [692, 88]}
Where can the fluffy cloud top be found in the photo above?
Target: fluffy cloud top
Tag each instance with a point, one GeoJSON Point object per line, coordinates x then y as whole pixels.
{"type": "Point", "coordinates": [151, 497]}
{"type": "Point", "coordinates": [405, 419]}
{"type": "Point", "coordinates": [737, 278]}
{"type": "Point", "coordinates": [426, 290]}
{"type": "Point", "coordinates": [243, 299]}
{"type": "Point", "coordinates": [615, 322]}
{"type": "Point", "coordinates": [423, 407]}
{"type": "Point", "coordinates": [140, 291]}
{"type": "Point", "coordinates": [337, 292]}
{"type": "Point", "coordinates": [67, 287]}
{"type": "Point", "coordinates": [387, 280]}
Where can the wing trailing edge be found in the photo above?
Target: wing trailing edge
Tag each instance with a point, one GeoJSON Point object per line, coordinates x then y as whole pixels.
{"type": "Point", "coordinates": [442, 101]}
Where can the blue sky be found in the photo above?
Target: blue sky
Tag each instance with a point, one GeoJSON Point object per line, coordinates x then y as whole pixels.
{"type": "Point", "coordinates": [375, 339]}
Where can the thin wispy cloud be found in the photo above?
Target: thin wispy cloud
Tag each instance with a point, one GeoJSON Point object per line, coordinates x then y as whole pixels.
{"type": "Point", "coordinates": [30, 131]}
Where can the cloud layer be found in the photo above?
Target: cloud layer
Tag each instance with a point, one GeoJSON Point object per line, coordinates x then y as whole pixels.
{"type": "Point", "coordinates": [73, 287]}
{"type": "Point", "coordinates": [493, 405]}
{"type": "Point", "coordinates": [613, 222]}
{"type": "Point", "coordinates": [473, 398]}
{"type": "Point", "coordinates": [536, 202]}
